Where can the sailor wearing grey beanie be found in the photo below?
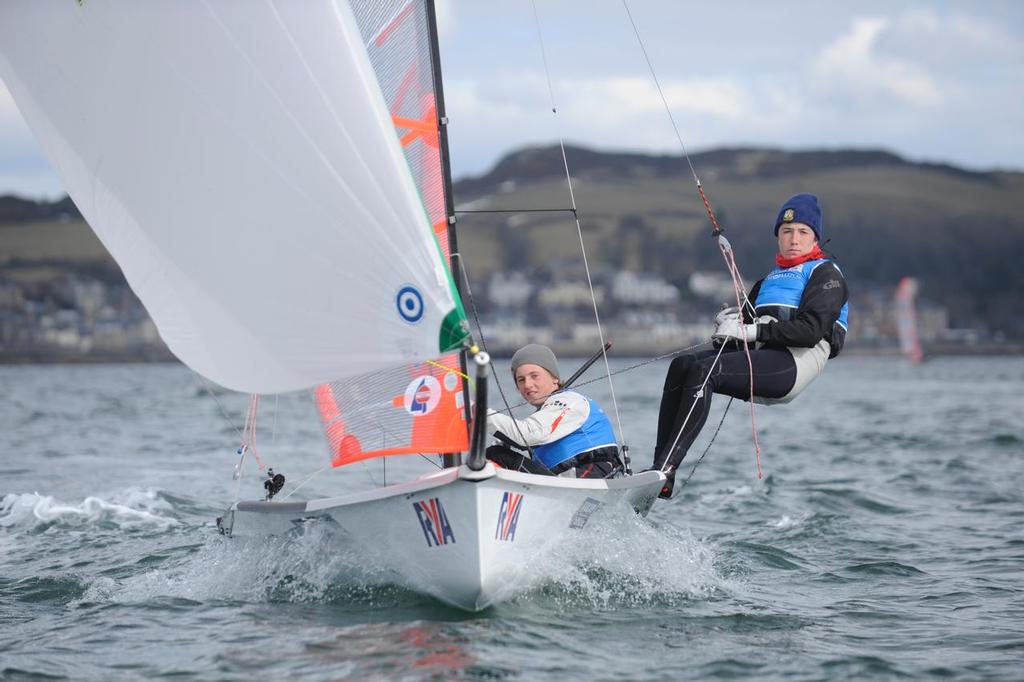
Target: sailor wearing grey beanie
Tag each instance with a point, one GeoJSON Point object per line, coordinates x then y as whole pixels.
{"type": "Point", "coordinates": [568, 434]}
{"type": "Point", "coordinates": [536, 354]}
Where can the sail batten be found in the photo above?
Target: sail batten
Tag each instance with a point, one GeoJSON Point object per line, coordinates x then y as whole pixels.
{"type": "Point", "coordinates": [248, 180]}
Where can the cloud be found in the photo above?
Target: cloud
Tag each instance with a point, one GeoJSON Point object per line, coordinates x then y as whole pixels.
{"type": "Point", "coordinates": [617, 112]}
{"type": "Point", "coordinates": [955, 36]}
{"type": "Point", "coordinates": [855, 66]}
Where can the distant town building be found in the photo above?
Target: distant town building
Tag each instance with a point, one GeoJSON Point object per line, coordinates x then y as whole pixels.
{"type": "Point", "coordinates": [716, 286]}
{"type": "Point", "coordinates": [643, 289]}
{"type": "Point", "coordinates": [509, 289]}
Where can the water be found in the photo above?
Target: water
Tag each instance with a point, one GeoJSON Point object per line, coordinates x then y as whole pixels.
{"type": "Point", "coordinates": [885, 541]}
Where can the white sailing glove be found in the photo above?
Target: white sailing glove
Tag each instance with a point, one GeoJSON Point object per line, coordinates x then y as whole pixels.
{"type": "Point", "coordinates": [726, 313]}
{"type": "Point", "coordinates": [733, 328]}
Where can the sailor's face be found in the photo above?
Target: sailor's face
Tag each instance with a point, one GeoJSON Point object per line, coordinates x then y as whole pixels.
{"type": "Point", "coordinates": [796, 239]}
{"type": "Point", "coordinates": [535, 384]}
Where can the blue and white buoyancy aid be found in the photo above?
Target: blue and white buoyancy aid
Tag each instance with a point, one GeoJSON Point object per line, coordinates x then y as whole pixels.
{"type": "Point", "coordinates": [783, 288]}
{"type": "Point", "coordinates": [595, 433]}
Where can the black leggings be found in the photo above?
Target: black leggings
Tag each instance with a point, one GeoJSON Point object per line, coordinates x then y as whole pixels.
{"type": "Point", "coordinates": [774, 377]}
{"type": "Point", "coordinates": [510, 459]}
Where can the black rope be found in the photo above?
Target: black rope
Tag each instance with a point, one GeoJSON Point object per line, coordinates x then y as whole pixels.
{"type": "Point", "coordinates": [483, 343]}
{"type": "Point", "coordinates": [520, 210]}
{"type": "Point", "coordinates": [666, 356]}
{"type": "Point", "coordinates": [701, 458]}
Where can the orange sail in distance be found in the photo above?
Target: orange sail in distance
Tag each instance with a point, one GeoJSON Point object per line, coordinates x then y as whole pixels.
{"type": "Point", "coordinates": [906, 320]}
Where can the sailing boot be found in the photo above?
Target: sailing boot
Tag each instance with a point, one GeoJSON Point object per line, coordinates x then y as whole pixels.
{"type": "Point", "coordinates": [669, 484]}
{"type": "Point", "coordinates": [670, 475]}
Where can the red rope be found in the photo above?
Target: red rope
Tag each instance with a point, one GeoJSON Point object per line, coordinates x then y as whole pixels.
{"type": "Point", "coordinates": [711, 214]}
{"type": "Point", "coordinates": [737, 285]}
{"type": "Point", "coordinates": [249, 432]}
{"type": "Point", "coordinates": [730, 262]}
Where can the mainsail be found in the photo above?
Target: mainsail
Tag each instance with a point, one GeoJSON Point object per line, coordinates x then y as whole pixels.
{"type": "Point", "coordinates": [418, 408]}
{"type": "Point", "coordinates": [239, 162]}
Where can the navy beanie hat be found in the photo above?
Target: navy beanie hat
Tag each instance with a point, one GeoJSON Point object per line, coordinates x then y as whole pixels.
{"type": "Point", "coordinates": [801, 208]}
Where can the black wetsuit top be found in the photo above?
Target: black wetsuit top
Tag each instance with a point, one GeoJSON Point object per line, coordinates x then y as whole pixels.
{"type": "Point", "coordinates": [816, 317]}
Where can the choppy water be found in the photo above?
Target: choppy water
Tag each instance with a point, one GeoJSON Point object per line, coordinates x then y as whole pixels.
{"type": "Point", "coordinates": [884, 542]}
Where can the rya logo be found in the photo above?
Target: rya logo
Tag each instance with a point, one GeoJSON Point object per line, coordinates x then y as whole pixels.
{"type": "Point", "coordinates": [434, 522]}
{"type": "Point", "coordinates": [508, 516]}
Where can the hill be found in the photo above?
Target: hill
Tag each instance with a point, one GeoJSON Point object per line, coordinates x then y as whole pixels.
{"type": "Point", "coordinates": [957, 231]}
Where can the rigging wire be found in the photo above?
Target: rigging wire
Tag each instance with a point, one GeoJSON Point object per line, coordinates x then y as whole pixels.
{"type": "Point", "coordinates": [579, 231]}
{"type": "Point", "coordinates": [273, 428]}
{"type": "Point", "coordinates": [630, 368]}
{"type": "Point", "coordinates": [516, 210]}
{"type": "Point", "coordinates": [304, 481]}
{"type": "Point", "coordinates": [723, 244]}
{"type": "Point", "coordinates": [237, 474]}
{"type": "Point", "coordinates": [693, 405]}
{"type": "Point", "coordinates": [249, 436]}
{"type": "Point", "coordinates": [708, 448]}
{"type": "Point", "coordinates": [223, 412]}
{"type": "Point", "coordinates": [483, 344]}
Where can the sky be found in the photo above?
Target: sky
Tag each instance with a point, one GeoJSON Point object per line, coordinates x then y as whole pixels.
{"type": "Point", "coordinates": [930, 80]}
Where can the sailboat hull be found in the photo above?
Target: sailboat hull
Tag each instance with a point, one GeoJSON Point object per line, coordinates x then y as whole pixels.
{"type": "Point", "coordinates": [471, 539]}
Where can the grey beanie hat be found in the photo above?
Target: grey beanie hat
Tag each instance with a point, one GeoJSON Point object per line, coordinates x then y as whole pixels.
{"type": "Point", "coordinates": [536, 354]}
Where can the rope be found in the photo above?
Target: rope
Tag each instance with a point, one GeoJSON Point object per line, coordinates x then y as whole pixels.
{"type": "Point", "coordinates": [717, 230]}
{"type": "Point", "coordinates": [249, 436]}
{"type": "Point", "coordinates": [579, 228]}
{"type": "Point", "coordinates": [630, 368]}
{"type": "Point", "coordinates": [738, 287]}
{"type": "Point", "coordinates": [517, 210]}
{"type": "Point", "coordinates": [223, 412]}
{"type": "Point", "coordinates": [664, 101]}
{"type": "Point", "coordinates": [713, 437]}
{"type": "Point", "coordinates": [483, 344]}
{"type": "Point", "coordinates": [273, 428]}
{"type": "Point", "coordinates": [693, 405]}
{"type": "Point", "coordinates": [304, 481]}
{"type": "Point", "coordinates": [242, 450]}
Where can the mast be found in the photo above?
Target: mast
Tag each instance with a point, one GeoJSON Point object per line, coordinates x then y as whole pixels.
{"type": "Point", "coordinates": [449, 203]}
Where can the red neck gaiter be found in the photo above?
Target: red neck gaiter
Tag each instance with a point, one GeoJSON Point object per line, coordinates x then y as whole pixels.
{"type": "Point", "coordinates": [813, 254]}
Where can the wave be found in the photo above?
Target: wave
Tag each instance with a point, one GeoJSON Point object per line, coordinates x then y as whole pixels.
{"type": "Point", "coordinates": [136, 509]}
{"type": "Point", "coordinates": [613, 562]}
{"type": "Point", "coordinates": [627, 561]}
{"type": "Point", "coordinates": [317, 565]}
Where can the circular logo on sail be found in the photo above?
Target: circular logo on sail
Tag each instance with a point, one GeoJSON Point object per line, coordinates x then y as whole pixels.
{"type": "Point", "coordinates": [410, 304]}
{"type": "Point", "coordinates": [422, 395]}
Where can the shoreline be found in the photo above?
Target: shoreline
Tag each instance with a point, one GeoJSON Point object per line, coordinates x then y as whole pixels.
{"type": "Point", "coordinates": [155, 356]}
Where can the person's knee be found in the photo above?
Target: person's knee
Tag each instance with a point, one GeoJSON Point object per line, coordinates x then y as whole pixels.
{"type": "Point", "coordinates": [679, 363]}
{"type": "Point", "coordinates": [697, 372]}
{"type": "Point", "coordinates": [681, 368]}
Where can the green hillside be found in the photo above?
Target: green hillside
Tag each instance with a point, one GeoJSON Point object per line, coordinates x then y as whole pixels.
{"type": "Point", "coordinates": [959, 232]}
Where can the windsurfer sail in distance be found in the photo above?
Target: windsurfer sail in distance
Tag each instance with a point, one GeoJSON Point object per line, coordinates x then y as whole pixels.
{"type": "Point", "coordinates": [798, 321]}
{"type": "Point", "coordinates": [569, 431]}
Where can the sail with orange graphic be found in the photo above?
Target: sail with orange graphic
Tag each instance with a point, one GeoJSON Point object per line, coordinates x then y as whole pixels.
{"type": "Point", "coordinates": [418, 408]}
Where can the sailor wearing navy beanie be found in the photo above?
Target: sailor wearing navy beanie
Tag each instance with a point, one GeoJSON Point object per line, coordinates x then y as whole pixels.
{"type": "Point", "coordinates": [796, 316]}
{"type": "Point", "coordinates": [800, 208]}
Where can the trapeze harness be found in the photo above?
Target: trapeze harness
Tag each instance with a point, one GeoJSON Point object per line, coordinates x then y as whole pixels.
{"type": "Point", "coordinates": [778, 300]}
{"type": "Point", "coordinates": [592, 442]}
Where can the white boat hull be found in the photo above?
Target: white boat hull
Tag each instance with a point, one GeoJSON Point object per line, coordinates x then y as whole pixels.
{"type": "Point", "coordinates": [469, 538]}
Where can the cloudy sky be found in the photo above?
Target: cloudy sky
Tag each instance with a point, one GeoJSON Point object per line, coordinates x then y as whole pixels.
{"type": "Point", "coordinates": [930, 80]}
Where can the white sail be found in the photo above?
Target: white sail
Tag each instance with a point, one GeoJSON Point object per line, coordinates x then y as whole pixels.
{"type": "Point", "coordinates": [238, 161]}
